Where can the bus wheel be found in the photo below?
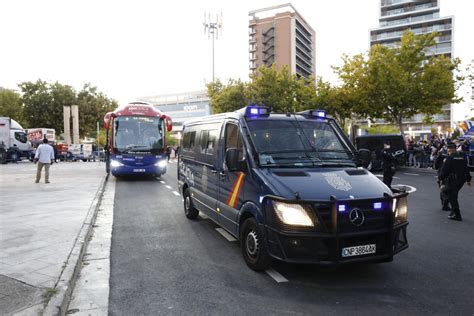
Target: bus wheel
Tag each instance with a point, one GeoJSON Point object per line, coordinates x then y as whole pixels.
{"type": "Point", "coordinates": [253, 246]}
{"type": "Point", "coordinates": [189, 210]}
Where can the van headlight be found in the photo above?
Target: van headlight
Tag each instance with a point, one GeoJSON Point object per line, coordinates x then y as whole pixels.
{"type": "Point", "coordinates": [161, 164]}
{"type": "Point", "coordinates": [400, 210]}
{"type": "Point", "coordinates": [115, 163]}
{"type": "Point", "coordinates": [292, 214]}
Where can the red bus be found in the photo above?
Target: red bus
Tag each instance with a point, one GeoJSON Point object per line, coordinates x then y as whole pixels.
{"type": "Point", "coordinates": [136, 140]}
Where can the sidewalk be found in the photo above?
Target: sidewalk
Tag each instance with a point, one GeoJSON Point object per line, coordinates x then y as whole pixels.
{"type": "Point", "coordinates": [39, 225]}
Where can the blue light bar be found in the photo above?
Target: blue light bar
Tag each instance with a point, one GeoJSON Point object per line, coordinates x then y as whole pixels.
{"type": "Point", "coordinates": [256, 110]}
{"type": "Point", "coordinates": [341, 208]}
{"type": "Point", "coordinates": [377, 205]}
{"type": "Point", "coordinates": [320, 113]}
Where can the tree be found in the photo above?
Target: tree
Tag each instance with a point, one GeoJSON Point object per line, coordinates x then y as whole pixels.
{"type": "Point", "coordinates": [93, 105]}
{"type": "Point", "coordinates": [11, 106]}
{"type": "Point", "coordinates": [227, 98]}
{"type": "Point", "coordinates": [397, 83]}
{"type": "Point", "coordinates": [43, 103]}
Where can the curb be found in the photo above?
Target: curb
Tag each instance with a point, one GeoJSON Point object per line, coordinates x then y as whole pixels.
{"type": "Point", "coordinates": [58, 304]}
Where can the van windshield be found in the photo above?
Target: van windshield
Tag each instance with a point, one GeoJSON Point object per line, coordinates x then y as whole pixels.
{"type": "Point", "coordinates": [296, 142]}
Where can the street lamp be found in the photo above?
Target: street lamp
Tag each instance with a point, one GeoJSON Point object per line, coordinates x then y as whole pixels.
{"type": "Point", "coordinates": [212, 31]}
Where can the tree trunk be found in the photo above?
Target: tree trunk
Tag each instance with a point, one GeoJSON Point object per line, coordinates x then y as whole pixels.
{"type": "Point", "coordinates": [400, 125]}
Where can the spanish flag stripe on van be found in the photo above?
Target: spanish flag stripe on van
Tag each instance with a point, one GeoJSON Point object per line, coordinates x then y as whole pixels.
{"type": "Point", "coordinates": [236, 188]}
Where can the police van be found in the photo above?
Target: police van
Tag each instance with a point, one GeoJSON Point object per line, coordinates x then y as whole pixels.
{"type": "Point", "coordinates": [290, 187]}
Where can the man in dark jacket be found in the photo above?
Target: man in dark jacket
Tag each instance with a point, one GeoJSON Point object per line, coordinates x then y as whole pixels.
{"type": "Point", "coordinates": [441, 155]}
{"type": "Point", "coordinates": [454, 173]}
{"type": "Point", "coordinates": [388, 165]}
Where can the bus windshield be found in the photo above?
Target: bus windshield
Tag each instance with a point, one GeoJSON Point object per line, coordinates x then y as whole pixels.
{"type": "Point", "coordinates": [138, 133]}
{"type": "Point", "coordinates": [294, 142]}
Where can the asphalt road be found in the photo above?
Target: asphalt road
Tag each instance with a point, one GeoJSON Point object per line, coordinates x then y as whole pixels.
{"type": "Point", "coordinates": [163, 263]}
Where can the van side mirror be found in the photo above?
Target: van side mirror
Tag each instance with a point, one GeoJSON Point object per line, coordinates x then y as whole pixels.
{"type": "Point", "coordinates": [232, 159]}
{"type": "Point", "coordinates": [365, 157]}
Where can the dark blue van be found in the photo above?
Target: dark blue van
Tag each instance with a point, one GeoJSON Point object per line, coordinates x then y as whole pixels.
{"type": "Point", "coordinates": [290, 187]}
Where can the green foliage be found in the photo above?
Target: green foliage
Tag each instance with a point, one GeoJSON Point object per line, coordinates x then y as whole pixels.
{"type": "Point", "coordinates": [43, 106]}
{"type": "Point", "coordinates": [11, 106]}
{"type": "Point", "coordinates": [393, 84]}
{"type": "Point", "coordinates": [170, 139]}
{"type": "Point", "coordinates": [43, 103]}
{"type": "Point", "coordinates": [382, 129]}
{"type": "Point", "coordinates": [93, 105]}
{"type": "Point", "coordinates": [228, 98]}
{"type": "Point", "coordinates": [455, 134]}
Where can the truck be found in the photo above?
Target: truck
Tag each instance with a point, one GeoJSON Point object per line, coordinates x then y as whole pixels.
{"type": "Point", "coordinates": [14, 143]}
{"type": "Point", "coordinates": [36, 135]}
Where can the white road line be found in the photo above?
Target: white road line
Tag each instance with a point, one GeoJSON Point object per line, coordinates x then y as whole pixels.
{"type": "Point", "coordinates": [409, 188]}
{"type": "Point", "coordinates": [162, 182]}
{"type": "Point", "coordinates": [276, 276]}
{"type": "Point", "coordinates": [169, 187]}
{"type": "Point", "coordinates": [226, 235]}
{"type": "Point", "coordinates": [175, 193]}
{"type": "Point", "coordinates": [411, 174]}
{"type": "Point", "coordinates": [381, 176]}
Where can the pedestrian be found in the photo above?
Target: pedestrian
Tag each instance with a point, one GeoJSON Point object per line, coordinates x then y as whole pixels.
{"type": "Point", "coordinates": [44, 156]}
{"type": "Point", "coordinates": [168, 152]}
{"type": "Point", "coordinates": [439, 158]}
{"type": "Point", "coordinates": [388, 165]}
{"type": "Point", "coordinates": [454, 173]}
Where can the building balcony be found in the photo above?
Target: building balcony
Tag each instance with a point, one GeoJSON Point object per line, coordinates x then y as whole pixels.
{"type": "Point", "coordinates": [426, 7]}
{"type": "Point", "coordinates": [307, 40]}
{"type": "Point", "coordinates": [388, 3]}
{"type": "Point", "coordinates": [303, 44]}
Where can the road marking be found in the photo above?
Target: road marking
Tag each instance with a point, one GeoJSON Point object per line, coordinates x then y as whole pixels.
{"type": "Point", "coordinates": [405, 186]}
{"type": "Point", "coordinates": [175, 193]}
{"type": "Point", "coordinates": [411, 174]}
{"type": "Point", "coordinates": [162, 182]}
{"type": "Point", "coordinates": [226, 235]}
{"type": "Point", "coordinates": [276, 276]}
{"type": "Point", "coordinates": [381, 176]}
{"type": "Point", "coordinates": [169, 187]}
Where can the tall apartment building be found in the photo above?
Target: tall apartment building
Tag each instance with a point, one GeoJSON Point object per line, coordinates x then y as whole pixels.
{"type": "Point", "coordinates": [280, 35]}
{"type": "Point", "coordinates": [421, 17]}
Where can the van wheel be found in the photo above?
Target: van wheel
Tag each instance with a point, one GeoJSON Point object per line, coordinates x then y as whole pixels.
{"type": "Point", "coordinates": [189, 210]}
{"type": "Point", "coordinates": [253, 246]}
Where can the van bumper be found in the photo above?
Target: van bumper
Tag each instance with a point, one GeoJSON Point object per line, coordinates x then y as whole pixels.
{"type": "Point", "coordinates": [149, 170]}
{"type": "Point", "coordinates": [326, 249]}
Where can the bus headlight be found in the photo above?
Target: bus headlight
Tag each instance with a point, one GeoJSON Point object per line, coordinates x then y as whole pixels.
{"type": "Point", "coordinates": [161, 164]}
{"type": "Point", "coordinates": [292, 214]}
{"type": "Point", "coordinates": [115, 163]}
{"type": "Point", "coordinates": [400, 210]}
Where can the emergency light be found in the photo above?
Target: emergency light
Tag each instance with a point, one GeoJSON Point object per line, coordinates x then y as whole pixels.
{"type": "Point", "coordinates": [377, 205]}
{"type": "Point", "coordinates": [316, 113]}
{"type": "Point", "coordinates": [254, 110]}
{"type": "Point", "coordinates": [341, 208]}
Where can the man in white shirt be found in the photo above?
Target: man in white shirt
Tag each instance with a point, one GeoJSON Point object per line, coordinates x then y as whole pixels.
{"type": "Point", "coordinates": [44, 156]}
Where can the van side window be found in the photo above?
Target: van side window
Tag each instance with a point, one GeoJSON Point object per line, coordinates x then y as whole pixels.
{"type": "Point", "coordinates": [207, 141]}
{"type": "Point", "coordinates": [233, 139]}
{"type": "Point", "coordinates": [188, 140]}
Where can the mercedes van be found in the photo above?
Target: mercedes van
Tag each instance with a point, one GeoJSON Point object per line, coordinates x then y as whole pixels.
{"type": "Point", "coordinates": [290, 187]}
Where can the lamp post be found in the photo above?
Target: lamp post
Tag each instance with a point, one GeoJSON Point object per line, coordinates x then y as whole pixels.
{"type": "Point", "coordinates": [212, 30]}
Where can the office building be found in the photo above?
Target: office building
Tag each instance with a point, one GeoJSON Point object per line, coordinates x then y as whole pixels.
{"type": "Point", "coordinates": [181, 107]}
{"type": "Point", "coordinates": [420, 17]}
{"type": "Point", "coordinates": [280, 35]}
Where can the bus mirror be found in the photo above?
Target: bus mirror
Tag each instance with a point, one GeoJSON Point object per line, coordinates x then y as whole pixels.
{"type": "Point", "coordinates": [169, 124]}
{"type": "Point", "coordinates": [232, 159]}
{"type": "Point", "coordinates": [365, 157]}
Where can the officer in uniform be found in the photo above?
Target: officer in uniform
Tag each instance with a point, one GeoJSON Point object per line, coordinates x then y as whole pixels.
{"type": "Point", "coordinates": [388, 165]}
{"type": "Point", "coordinates": [454, 173]}
{"type": "Point", "coordinates": [438, 163]}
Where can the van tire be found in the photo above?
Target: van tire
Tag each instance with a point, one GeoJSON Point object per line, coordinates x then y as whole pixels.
{"type": "Point", "coordinates": [253, 246]}
{"type": "Point", "coordinates": [189, 210]}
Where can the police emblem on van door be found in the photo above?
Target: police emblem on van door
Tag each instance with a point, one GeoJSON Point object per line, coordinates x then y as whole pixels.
{"type": "Point", "coordinates": [337, 182]}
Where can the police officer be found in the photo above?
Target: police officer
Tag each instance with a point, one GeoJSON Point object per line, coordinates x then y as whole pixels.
{"type": "Point", "coordinates": [442, 154]}
{"type": "Point", "coordinates": [454, 173]}
{"type": "Point", "coordinates": [388, 164]}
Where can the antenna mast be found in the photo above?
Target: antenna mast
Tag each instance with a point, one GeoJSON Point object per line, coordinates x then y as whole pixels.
{"type": "Point", "coordinates": [212, 29]}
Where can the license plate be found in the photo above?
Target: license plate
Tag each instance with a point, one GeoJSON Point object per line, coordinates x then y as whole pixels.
{"type": "Point", "coordinates": [138, 170]}
{"type": "Point", "coordinates": [358, 250]}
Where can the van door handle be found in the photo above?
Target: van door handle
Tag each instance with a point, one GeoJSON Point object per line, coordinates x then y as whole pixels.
{"type": "Point", "coordinates": [213, 171]}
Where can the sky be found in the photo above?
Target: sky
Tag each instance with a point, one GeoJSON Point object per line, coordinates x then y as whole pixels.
{"type": "Point", "coordinates": [132, 49]}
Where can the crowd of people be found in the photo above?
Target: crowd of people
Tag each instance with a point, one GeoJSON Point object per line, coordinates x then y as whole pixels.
{"type": "Point", "coordinates": [423, 153]}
